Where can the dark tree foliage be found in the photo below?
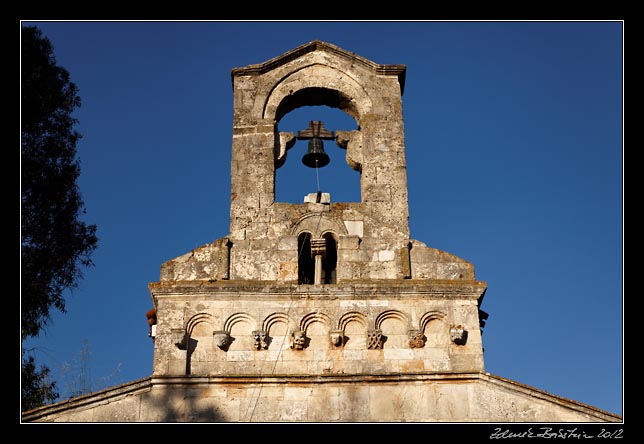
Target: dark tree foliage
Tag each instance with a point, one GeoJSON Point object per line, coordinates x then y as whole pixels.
{"type": "Point", "coordinates": [37, 389]}
{"type": "Point", "coordinates": [55, 244]}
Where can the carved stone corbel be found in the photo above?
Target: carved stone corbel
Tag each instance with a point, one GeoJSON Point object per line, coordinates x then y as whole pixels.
{"type": "Point", "coordinates": [222, 339]}
{"type": "Point", "coordinates": [298, 340]}
{"type": "Point", "coordinates": [180, 338]}
{"type": "Point", "coordinates": [337, 338]}
{"type": "Point", "coordinates": [283, 142]}
{"type": "Point", "coordinates": [374, 339]}
{"type": "Point", "coordinates": [458, 334]}
{"type": "Point", "coordinates": [416, 338]}
{"type": "Point", "coordinates": [260, 340]}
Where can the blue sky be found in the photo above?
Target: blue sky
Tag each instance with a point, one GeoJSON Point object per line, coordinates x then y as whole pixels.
{"type": "Point", "coordinates": [514, 143]}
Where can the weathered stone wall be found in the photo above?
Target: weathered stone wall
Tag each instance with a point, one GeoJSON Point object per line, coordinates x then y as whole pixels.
{"type": "Point", "coordinates": [237, 306]}
{"type": "Point", "coordinates": [417, 397]}
{"type": "Point", "coordinates": [261, 230]}
{"type": "Point", "coordinates": [250, 328]}
{"type": "Point", "coordinates": [280, 262]}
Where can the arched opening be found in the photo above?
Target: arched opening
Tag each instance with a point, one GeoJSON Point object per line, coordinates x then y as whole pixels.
{"type": "Point", "coordinates": [330, 261]}
{"type": "Point", "coordinates": [305, 263]}
{"type": "Point", "coordinates": [293, 180]}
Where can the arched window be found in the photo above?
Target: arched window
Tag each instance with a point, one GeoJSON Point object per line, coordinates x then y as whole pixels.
{"type": "Point", "coordinates": [305, 263]}
{"type": "Point", "coordinates": [330, 261]}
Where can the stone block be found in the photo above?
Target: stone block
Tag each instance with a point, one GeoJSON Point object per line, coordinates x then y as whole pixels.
{"type": "Point", "coordinates": [313, 198]}
{"type": "Point", "coordinates": [398, 353]}
{"type": "Point", "coordinates": [354, 228]}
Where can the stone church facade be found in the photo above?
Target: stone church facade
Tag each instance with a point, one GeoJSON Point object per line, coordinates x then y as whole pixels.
{"type": "Point", "coordinates": [321, 311]}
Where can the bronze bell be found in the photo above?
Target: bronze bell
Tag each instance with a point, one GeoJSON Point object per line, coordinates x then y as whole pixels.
{"type": "Point", "coordinates": [315, 157]}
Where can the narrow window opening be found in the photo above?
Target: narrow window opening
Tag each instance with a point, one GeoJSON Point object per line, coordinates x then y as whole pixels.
{"type": "Point", "coordinates": [330, 261]}
{"type": "Point", "coordinates": [305, 263]}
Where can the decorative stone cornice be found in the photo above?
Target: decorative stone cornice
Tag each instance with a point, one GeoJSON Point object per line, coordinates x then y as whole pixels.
{"type": "Point", "coordinates": [393, 288]}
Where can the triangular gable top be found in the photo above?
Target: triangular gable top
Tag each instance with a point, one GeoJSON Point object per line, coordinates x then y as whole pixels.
{"type": "Point", "coordinates": [317, 45]}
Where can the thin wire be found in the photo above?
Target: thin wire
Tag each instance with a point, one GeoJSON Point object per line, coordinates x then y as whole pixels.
{"type": "Point", "coordinates": [277, 358]}
{"type": "Point", "coordinates": [317, 176]}
{"type": "Point", "coordinates": [288, 313]}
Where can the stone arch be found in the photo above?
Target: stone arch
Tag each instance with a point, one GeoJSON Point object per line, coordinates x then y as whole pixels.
{"type": "Point", "coordinates": [354, 326]}
{"type": "Point", "coordinates": [199, 331]}
{"type": "Point", "coordinates": [391, 314]}
{"type": "Point", "coordinates": [193, 325]}
{"type": "Point", "coordinates": [240, 326]}
{"type": "Point", "coordinates": [237, 318]}
{"type": "Point", "coordinates": [316, 316]}
{"type": "Point", "coordinates": [317, 84]}
{"type": "Point", "coordinates": [394, 325]}
{"type": "Point", "coordinates": [306, 263]}
{"type": "Point", "coordinates": [316, 326]}
{"type": "Point", "coordinates": [273, 319]}
{"type": "Point", "coordinates": [352, 316]}
{"type": "Point", "coordinates": [277, 329]}
{"type": "Point", "coordinates": [429, 316]}
{"type": "Point", "coordinates": [432, 324]}
{"type": "Point", "coordinates": [317, 224]}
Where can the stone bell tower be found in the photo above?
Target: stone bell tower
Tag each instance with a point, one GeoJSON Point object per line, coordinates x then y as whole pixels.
{"type": "Point", "coordinates": [332, 297]}
{"type": "Point", "coordinates": [319, 311]}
